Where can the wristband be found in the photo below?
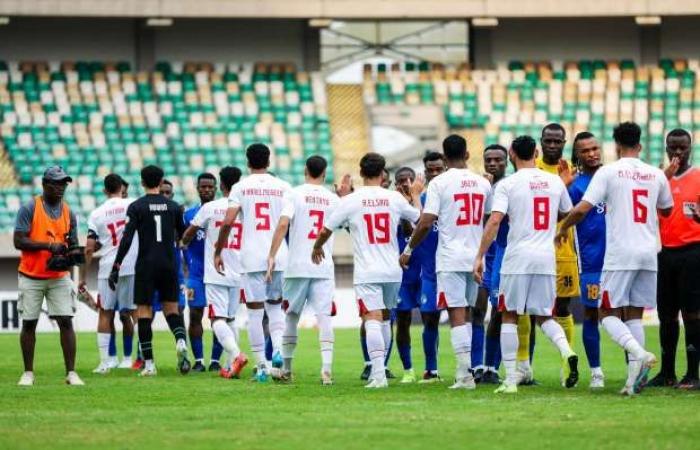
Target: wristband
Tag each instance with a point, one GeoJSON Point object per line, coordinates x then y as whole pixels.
{"type": "Point", "coordinates": [407, 250]}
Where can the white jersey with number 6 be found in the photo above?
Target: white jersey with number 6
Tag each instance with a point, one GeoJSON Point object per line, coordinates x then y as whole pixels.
{"type": "Point", "coordinates": [459, 198]}
{"type": "Point", "coordinates": [260, 198]}
{"type": "Point", "coordinates": [209, 218]}
{"type": "Point", "coordinates": [631, 190]}
{"type": "Point", "coordinates": [106, 224]}
{"type": "Point", "coordinates": [372, 214]}
{"type": "Point", "coordinates": [532, 200]}
{"type": "Point", "coordinates": [308, 207]}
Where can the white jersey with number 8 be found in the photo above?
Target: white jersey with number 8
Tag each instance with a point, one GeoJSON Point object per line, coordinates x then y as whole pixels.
{"type": "Point", "coordinates": [107, 223]}
{"type": "Point", "coordinates": [532, 200]}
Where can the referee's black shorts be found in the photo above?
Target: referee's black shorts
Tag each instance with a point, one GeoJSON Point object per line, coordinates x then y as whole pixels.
{"type": "Point", "coordinates": [678, 280]}
{"type": "Point", "coordinates": [148, 282]}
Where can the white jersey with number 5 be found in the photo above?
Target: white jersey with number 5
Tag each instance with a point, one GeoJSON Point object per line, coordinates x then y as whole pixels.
{"type": "Point", "coordinates": [631, 190]}
{"type": "Point", "coordinates": [209, 218]}
{"type": "Point", "coordinates": [459, 198]}
{"type": "Point", "coordinates": [532, 200]}
{"type": "Point", "coordinates": [372, 214]}
{"type": "Point", "coordinates": [260, 198]}
{"type": "Point", "coordinates": [308, 207]}
{"type": "Point", "coordinates": [106, 225]}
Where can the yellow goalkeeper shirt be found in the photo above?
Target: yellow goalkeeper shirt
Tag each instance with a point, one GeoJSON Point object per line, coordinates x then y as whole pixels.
{"type": "Point", "coordinates": [566, 251]}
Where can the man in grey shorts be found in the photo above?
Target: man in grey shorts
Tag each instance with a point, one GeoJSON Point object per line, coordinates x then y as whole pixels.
{"type": "Point", "coordinates": [45, 230]}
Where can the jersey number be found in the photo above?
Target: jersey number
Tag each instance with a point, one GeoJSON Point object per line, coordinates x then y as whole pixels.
{"type": "Point", "coordinates": [237, 231]}
{"type": "Point", "coordinates": [472, 210]}
{"type": "Point", "coordinates": [317, 217]}
{"type": "Point", "coordinates": [262, 215]}
{"type": "Point", "coordinates": [377, 228]}
{"type": "Point", "coordinates": [159, 228]}
{"type": "Point", "coordinates": [541, 213]}
{"type": "Point", "coordinates": [639, 209]}
{"type": "Point", "coordinates": [113, 229]}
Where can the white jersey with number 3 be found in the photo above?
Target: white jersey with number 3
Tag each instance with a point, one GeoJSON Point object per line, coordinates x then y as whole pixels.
{"type": "Point", "coordinates": [209, 218]}
{"type": "Point", "coordinates": [372, 214]}
{"type": "Point", "coordinates": [260, 198]}
{"type": "Point", "coordinates": [459, 198]}
{"type": "Point", "coordinates": [308, 207]}
{"type": "Point", "coordinates": [631, 190]}
{"type": "Point", "coordinates": [107, 223]}
{"type": "Point", "coordinates": [532, 200]}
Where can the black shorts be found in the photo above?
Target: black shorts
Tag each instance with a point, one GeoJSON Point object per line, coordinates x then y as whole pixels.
{"type": "Point", "coordinates": [678, 285]}
{"type": "Point", "coordinates": [147, 283]}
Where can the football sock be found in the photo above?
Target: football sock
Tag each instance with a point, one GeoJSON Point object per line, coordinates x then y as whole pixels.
{"type": "Point", "coordinates": [177, 326]}
{"type": "Point", "coordinates": [567, 324]}
{"type": "Point", "coordinates": [363, 344]}
{"type": "Point", "coordinates": [591, 342]}
{"type": "Point", "coordinates": [430, 344]}
{"type": "Point", "coordinates": [509, 349]}
{"type": "Point", "coordinates": [256, 335]}
{"type": "Point", "coordinates": [460, 336]}
{"type": "Point", "coordinates": [113, 344]}
{"type": "Point", "coordinates": [637, 329]}
{"type": "Point", "coordinates": [619, 333]}
{"type": "Point", "coordinates": [668, 338]}
{"type": "Point", "coordinates": [376, 348]}
{"type": "Point", "coordinates": [692, 347]}
{"type": "Point", "coordinates": [556, 334]}
{"type": "Point", "coordinates": [275, 325]}
{"type": "Point", "coordinates": [523, 338]}
{"type": "Point", "coordinates": [533, 342]}
{"type": "Point", "coordinates": [405, 355]}
{"type": "Point", "coordinates": [217, 348]}
{"type": "Point", "coordinates": [197, 348]}
{"type": "Point", "coordinates": [289, 339]}
{"type": "Point", "coordinates": [103, 346]}
{"type": "Point", "coordinates": [145, 338]}
{"type": "Point", "coordinates": [388, 337]}
{"type": "Point", "coordinates": [268, 347]}
{"type": "Point", "coordinates": [128, 344]}
{"type": "Point", "coordinates": [326, 338]}
{"type": "Point", "coordinates": [492, 355]}
{"type": "Point", "coordinates": [227, 339]}
{"type": "Point", "coordinates": [477, 345]}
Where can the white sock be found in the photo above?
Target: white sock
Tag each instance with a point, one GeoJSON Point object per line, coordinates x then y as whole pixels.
{"type": "Point", "coordinates": [637, 329]}
{"type": "Point", "coordinates": [386, 335]}
{"type": "Point", "coordinates": [103, 346]}
{"type": "Point", "coordinates": [232, 324]}
{"type": "Point", "coordinates": [275, 325]}
{"type": "Point", "coordinates": [620, 333]}
{"type": "Point", "coordinates": [555, 333]}
{"type": "Point", "coordinates": [227, 339]}
{"type": "Point", "coordinates": [256, 335]}
{"type": "Point", "coordinates": [375, 348]}
{"type": "Point", "coordinates": [460, 337]}
{"type": "Point", "coordinates": [289, 339]}
{"type": "Point", "coordinates": [326, 338]}
{"type": "Point", "coordinates": [148, 364]}
{"type": "Point", "coordinates": [509, 349]}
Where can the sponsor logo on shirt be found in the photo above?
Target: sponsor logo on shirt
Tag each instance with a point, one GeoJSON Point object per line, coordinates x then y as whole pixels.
{"type": "Point", "coordinates": [313, 200]}
{"type": "Point", "coordinates": [263, 191]}
{"type": "Point", "coordinates": [375, 203]}
{"type": "Point", "coordinates": [635, 175]}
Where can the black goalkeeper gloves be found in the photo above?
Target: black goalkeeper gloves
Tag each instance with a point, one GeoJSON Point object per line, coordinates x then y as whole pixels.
{"type": "Point", "coordinates": [113, 277]}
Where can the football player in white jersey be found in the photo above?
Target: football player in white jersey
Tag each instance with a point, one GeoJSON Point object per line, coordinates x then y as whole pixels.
{"type": "Point", "coordinates": [105, 229]}
{"type": "Point", "coordinates": [306, 209]}
{"type": "Point", "coordinates": [258, 198]}
{"type": "Point", "coordinates": [222, 291]}
{"type": "Point", "coordinates": [633, 192]}
{"type": "Point", "coordinates": [457, 200]}
{"type": "Point", "coordinates": [533, 200]}
{"type": "Point", "coordinates": [372, 214]}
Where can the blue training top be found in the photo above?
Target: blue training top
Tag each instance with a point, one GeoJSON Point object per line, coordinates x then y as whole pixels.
{"type": "Point", "coordinates": [590, 233]}
{"type": "Point", "coordinates": [426, 251]}
{"type": "Point", "coordinates": [194, 254]}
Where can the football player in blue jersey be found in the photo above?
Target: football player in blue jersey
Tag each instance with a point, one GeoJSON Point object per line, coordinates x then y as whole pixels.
{"type": "Point", "coordinates": [196, 298]}
{"type": "Point", "coordinates": [590, 237]}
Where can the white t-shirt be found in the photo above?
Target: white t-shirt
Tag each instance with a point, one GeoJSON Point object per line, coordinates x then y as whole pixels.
{"type": "Point", "coordinates": [631, 190]}
{"type": "Point", "coordinates": [260, 197]}
{"type": "Point", "coordinates": [107, 224]}
{"type": "Point", "coordinates": [532, 199]}
{"type": "Point", "coordinates": [459, 198]}
{"type": "Point", "coordinates": [209, 218]}
{"type": "Point", "coordinates": [372, 215]}
{"type": "Point", "coordinates": [308, 207]}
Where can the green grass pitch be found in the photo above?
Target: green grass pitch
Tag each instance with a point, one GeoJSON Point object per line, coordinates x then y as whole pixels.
{"type": "Point", "coordinates": [170, 411]}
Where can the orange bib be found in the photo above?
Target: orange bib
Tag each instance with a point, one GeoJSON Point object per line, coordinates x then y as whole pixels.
{"type": "Point", "coordinates": [44, 229]}
{"type": "Point", "coordinates": [679, 228]}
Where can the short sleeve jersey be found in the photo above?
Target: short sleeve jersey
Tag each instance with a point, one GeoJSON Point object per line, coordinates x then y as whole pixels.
{"type": "Point", "coordinates": [531, 198]}
{"type": "Point", "coordinates": [590, 232]}
{"type": "Point", "coordinates": [194, 255]}
{"type": "Point", "coordinates": [426, 251]}
{"type": "Point", "coordinates": [106, 226]}
{"type": "Point", "coordinates": [680, 229]}
{"type": "Point", "coordinates": [260, 198]}
{"type": "Point", "coordinates": [372, 215]}
{"type": "Point", "coordinates": [632, 191]}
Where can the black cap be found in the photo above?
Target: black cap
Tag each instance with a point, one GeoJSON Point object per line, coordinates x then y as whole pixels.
{"type": "Point", "coordinates": [56, 173]}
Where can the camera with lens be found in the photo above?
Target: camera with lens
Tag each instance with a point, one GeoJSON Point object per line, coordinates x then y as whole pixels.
{"type": "Point", "coordinates": [75, 256]}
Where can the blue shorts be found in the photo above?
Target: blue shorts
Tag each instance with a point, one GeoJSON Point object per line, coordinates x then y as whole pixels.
{"type": "Point", "coordinates": [158, 307]}
{"type": "Point", "coordinates": [590, 289]}
{"type": "Point", "coordinates": [409, 296]}
{"type": "Point", "coordinates": [199, 300]}
{"type": "Point", "coordinates": [428, 299]}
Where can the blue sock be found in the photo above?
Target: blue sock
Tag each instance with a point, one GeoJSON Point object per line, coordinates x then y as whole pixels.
{"type": "Point", "coordinates": [430, 346]}
{"type": "Point", "coordinates": [197, 348]}
{"type": "Point", "coordinates": [405, 355]}
{"type": "Point", "coordinates": [477, 345]}
{"type": "Point", "coordinates": [532, 347]}
{"type": "Point", "coordinates": [268, 348]}
{"type": "Point", "coordinates": [216, 348]}
{"type": "Point", "coordinates": [112, 345]}
{"type": "Point", "coordinates": [127, 342]}
{"type": "Point", "coordinates": [492, 357]}
{"type": "Point", "coordinates": [363, 344]}
{"type": "Point", "coordinates": [591, 342]}
{"type": "Point", "coordinates": [391, 346]}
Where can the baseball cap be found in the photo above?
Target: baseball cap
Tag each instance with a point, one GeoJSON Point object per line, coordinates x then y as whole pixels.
{"type": "Point", "coordinates": [56, 173]}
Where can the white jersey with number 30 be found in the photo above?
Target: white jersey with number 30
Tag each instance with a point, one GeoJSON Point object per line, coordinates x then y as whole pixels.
{"type": "Point", "coordinates": [308, 207]}
{"type": "Point", "coordinates": [106, 224]}
{"type": "Point", "coordinates": [631, 190]}
{"type": "Point", "coordinates": [260, 198]}
{"type": "Point", "coordinates": [532, 200]}
{"type": "Point", "coordinates": [372, 214]}
{"type": "Point", "coordinates": [459, 198]}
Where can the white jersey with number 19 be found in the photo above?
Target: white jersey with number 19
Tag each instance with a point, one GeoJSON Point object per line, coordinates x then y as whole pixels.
{"type": "Point", "coordinates": [260, 198]}
{"type": "Point", "coordinates": [106, 226]}
{"type": "Point", "coordinates": [532, 200]}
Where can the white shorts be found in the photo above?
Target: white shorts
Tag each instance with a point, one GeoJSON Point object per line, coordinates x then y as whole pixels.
{"type": "Point", "coordinates": [318, 292]}
{"type": "Point", "coordinates": [122, 297]}
{"type": "Point", "coordinates": [258, 290]}
{"type": "Point", "coordinates": [456, 289]}
{"type": "Point", "coordinates": [628, 288]}
{"type": "Point", "coordinates": [528, 294]}
{"type": "Point", "coordinates": [223, 300]}
{"type": "Point", "coordinates": [376, 296]}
